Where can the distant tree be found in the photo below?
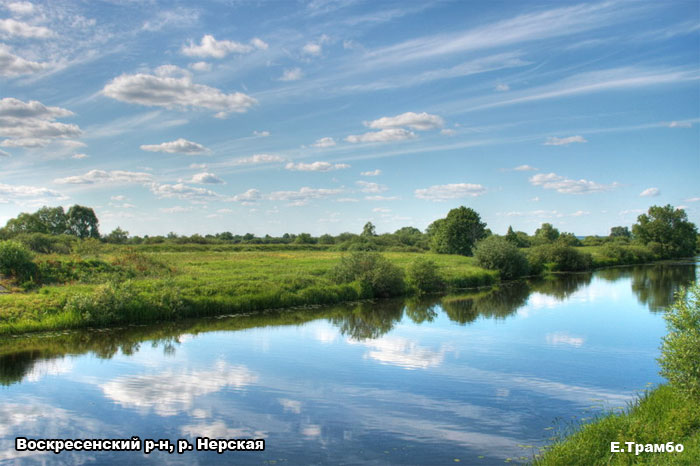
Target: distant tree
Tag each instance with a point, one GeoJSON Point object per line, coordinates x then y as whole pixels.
{"type": "Point", "coordinates": [458, 232]}
{"type": "Point", "coordinates": [304, 238]}
{"type": "Point", "coordinates": [620, 232]}
{"type": "Point", "coordinates": [669, 228]}
{"type": "Point", "coordinates": [225, 236]}
{"type": "Point", "coordinates": [117, 236]}
{"type": "Point", "coordinates": [82, 222]}
{"type": "Point", "coordinates": [369, 229]}
{"type": "Point", "coordinates": [54, 220]}
{"type": "Point", "coordinates": [546, 233]}
{"type": "Point", "coordinates": [326, 239]}
{"type": "Point", "coordinates": [25, 223]}
{"type": "Point", "coordinates": [497, 253]}
{"type": "Point", "coordinates": [569, 239]}
{"type": "Point", "coordinates": [248, 237]}
{"type": "Point", "coordinates": [519, 238]}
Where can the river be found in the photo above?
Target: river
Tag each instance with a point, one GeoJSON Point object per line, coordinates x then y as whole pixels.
{"type": "Point", "coordinates": [479, 378]}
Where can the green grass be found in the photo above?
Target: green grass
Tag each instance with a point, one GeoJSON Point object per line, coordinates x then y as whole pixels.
{"type": "Point", "coordinates": [202, 283]}
{"type": "Point", "coordinates": [660, 416]}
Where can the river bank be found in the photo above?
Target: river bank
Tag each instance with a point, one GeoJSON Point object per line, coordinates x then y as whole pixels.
{"type": "Point", "coordinates": [123, 285]}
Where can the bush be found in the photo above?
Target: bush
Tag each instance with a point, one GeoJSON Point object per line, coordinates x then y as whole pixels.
{"type": "Point", "coordinates": [559, 257]}
{"type": "Point", "coordinates": [376, 275]}
{"type": "Point", "coordinates": [497, 253]}
{"type": "Point", "coordinates": [47, 244]}
{"type": "Point", "coordinates": [423, 275]}
{"type": "Point", "coordinates": [107, 304]}
{"type": "Point", "coordinates": [16, 260]}
{"type": "Point", "coordinates": [627, 254]}
{"type": "Point", "coordinates": [680, 350]}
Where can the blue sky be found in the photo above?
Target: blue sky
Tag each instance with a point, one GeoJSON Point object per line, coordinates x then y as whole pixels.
{"type": "Point", "coordinates": [318, 116]}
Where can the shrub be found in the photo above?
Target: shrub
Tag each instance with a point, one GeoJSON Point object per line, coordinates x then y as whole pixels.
{"type": "Point", "coordinates": [376, 275]}
{"type": "Point", "coordinates": [423, 275]}
{"type": "Point", "coordinates": [680, 350]}
{"type": "Point", "coordinates": [560, 257]}
{"type": "Point", "coordinates": [497, 253]}
{"type": "Point", "coordinates": [16, 260]}
{"type": "Point", "coordinates": [627, 254]}
{"type": "Point", "coordinates": [107, 304]}
{"type": "Point", "coordinates": [46, 244]}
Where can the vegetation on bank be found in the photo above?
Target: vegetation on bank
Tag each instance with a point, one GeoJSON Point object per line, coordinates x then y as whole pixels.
{"type": "Point", "coordinates": [74, 277]}
{"type": "Point", "coordinates": [669, 413]}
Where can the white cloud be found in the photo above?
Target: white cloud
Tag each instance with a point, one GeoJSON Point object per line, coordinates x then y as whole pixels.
{"type": "Point", "coordinates": [448, 132]}
{"type": "Point", "coordinates": [568, 186]}
{"type": "Point", "coordinates": [259, 43]}
{"type": "Point", "coordinates": [261, 134]}
{"type": "Point", "coordinates": [418, 121]}
{"type": "Point", "coordinates": [304, 195]}
{"type": "Point", "coordinates": [692, 199]}
{"type": "Point", "coordinates": [13, 192]}
{"type": "Point", "coordinates": [224, 211]}
{"type": "Point", "coordinates": [449, 191]}
{"type": "Point", "coordinates": [20, 8]}
{"type": "Point", "coordinates": [249, 196]}
{"type": "Point", "coordinates": [257, 159]}
{"type": "Point", "coordinates": [316, 166]}
{"type": "Point", "coordinates": [118, 198]}
{"type": "Point", "coordinates": [385, 135]}
{"type": "Point", "coordinates": [679, 124]}
{"type": "Point", "coordinates": [555, 141]}
{"type": "Point", "coordinates": [165, 89]}
{"type": "Point", "coordinates": [182, 191]}
{"type": "Point", "coordinates": [563, 338]}
{"type": "Point", "coordinates": [346, 199]}
{"type": "Point", "coordinates": [32, 124]}
{"type": "Point", "coordinates": [502, 87]}
{"type": "Point", "coordinates": [12, 65]}
{"type": "Point", "coordinates": [14, 28]}
{"type": "Point", "coordinates": [376, 172]}
{"type": "Point", "coordinates": [524, 168]}
{"type": "Point", "coordinates": [402, 352]}
{"type": "Point", "coordinates": [79, 156]}
{"type": "Point", "coordinates": [312, 48]}
{"type": "Point", "coordinates": [176, 210]}
{"type": "Point", "coordinates": [324, 142]}
{"type": "Point", "coordinates": [206, 178]}
{"type": "Point", "coordinates": [381, 210]}
{"type": "Point", "coordinates": [4, 154]}
{"type": "Point", "coordinates": [369, 187]}
{"type": "Point", "coordinates": [200, 66]}
{"type": "Point", "coordinates": [382, 198]}
{"type": "Point", "coordinates": [650, 192]}
{"type": "Point", "coordinates": [102, 177]}
{"type": "Point", "coordinates": [176, 18]}
{"type": "Point", "coordinates": [181, 146]}
{"type": "Point", "coordinates": [293, 74]}
{"type": "Point", "coordinates": [210, 47]}
{"type": "Point", "coordinates": [170, 393]}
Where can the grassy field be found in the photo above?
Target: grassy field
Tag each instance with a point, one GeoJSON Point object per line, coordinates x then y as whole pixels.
{"type": "Point", "coordinates": [122, 286]}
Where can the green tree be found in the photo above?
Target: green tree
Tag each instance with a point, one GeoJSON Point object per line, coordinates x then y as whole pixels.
{"type": "Point", "coordinates": [546, 234]}
{"type": "Point", "coordinates": [117, 236]}
{"type": "Point", "coordinates": [620, 232]}
{"type": "Point", "coordinates": [54, 220]}
{"type": "Point", "coordinates": [82, 222]}
{"type": "Point", "coordinates": [458, 232]}
{"type": "Point", "coordinates": [304, 238]}
{"type": "Point", "coordinates": [369, 229]}
{"type": "Point", "coordinates": [25, 223]}
{"type": "Point", "coordinates": [669, 228]}
{"type": "Point", "coordinates": [680, 351]}
{"type": "Point", "coordinates": [519, 238]}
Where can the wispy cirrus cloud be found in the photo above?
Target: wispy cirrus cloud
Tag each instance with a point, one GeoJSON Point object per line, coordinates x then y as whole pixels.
{"type": "Point", "coordinates": [13, 28]}
{"type": "Point", "coordinates": [555, 141]}
{"type": "Point", "coordinates": [565, 185]}
{"type": "Point", "coordinates": [316, 166]}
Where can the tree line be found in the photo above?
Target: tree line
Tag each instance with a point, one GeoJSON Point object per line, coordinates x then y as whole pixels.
{"type": "Point", "coordinates": [664, 230]}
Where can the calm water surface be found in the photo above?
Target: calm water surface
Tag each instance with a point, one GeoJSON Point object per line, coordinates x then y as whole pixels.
{"type": "Point", "coordinates": [481, 378]}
